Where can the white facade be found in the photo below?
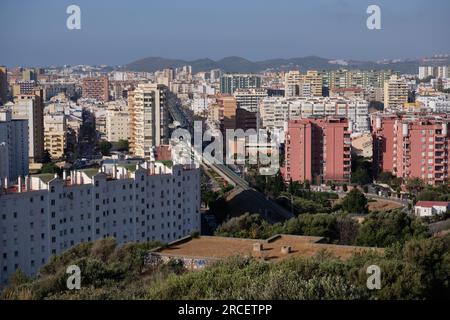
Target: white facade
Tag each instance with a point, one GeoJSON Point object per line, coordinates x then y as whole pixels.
{"type": "Point", "coordinates": [425, 72]}
{"type": "Point", "coordinates": [249, 99]}
{"type": "Point", "coordinates": [431, 208]}
{"type": "Point", "coordinates": [48, 216]}
{"type": "Point", "coordinates": [435, 103]}
{"type": "Point", "coordinates": [275, 112]}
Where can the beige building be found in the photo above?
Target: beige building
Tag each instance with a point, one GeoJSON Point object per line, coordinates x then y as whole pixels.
{"type": "Point", "coordinates": [303, 85]}
{"type": "Point", "coordinates": [117, 126]}
{"type": "Point", "coordinates": [215, 113]}
{"type": "Point", "coordinates": [395, 93]}
{"type": "Point", "coordinates": [31, 108]}
{"type": "Point", "coordinates": [362, 145]}
{"type": "Point", "coordinates": [55, 135]}
{"type": "Point", "coordinates": [3, 85]}
{"type": "Point", "coordinates": [148, 121]}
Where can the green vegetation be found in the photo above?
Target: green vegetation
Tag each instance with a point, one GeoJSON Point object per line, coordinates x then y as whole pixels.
{"type": "Point", "coordinates": [361, 171]}
{"type": "Point", "coordinates": [391, 180]}
{"type": "Point", "coordinates": [108, 272]}
{"type": "Point", "coordinates": [437, 193]}
{"type": "Point", "coordinates": [50, 167]}
{"type": "Point", "coordinates": [419, 269]}
{"type": "Point", "coordinates": [355, 202]}
{"type": "Point", "coordinates": [105, 147]}
{"type": "Point", "coordinates": [167, 163]}
{"type": "Point", "coordinates": [379, 229]}
{"type": "Point", "coordinates": [122, 145]}
{"type": "Point", "coordinates": [45, 177]}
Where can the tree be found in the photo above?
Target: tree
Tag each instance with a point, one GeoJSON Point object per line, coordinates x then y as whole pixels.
{"type": "Point", "coordinates": [105, 147]}
{"type": "Point", "coordinates": [122, 145]}
{"type": "Point", "coordinates": [361, 171]}
{"type": "Point", "coordinates": [47, 157]}
{"type": "Point", "coordinates": [382, 229]}
{"type": "Point", "coordinates": [355, 202]}
{"type": "Point", "coordinates": [50, 168]}
{"type": "Point", "coordinates": [415, 185]}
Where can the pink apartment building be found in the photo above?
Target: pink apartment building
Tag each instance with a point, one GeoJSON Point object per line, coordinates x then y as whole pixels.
{"type": "Point", "coordinates": [318, 150]}
{"type": "Point", "coordinates": [412, 146]}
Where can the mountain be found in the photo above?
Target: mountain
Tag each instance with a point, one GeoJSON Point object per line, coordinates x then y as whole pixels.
{"type": "Point", "coordinates": [239, 64]}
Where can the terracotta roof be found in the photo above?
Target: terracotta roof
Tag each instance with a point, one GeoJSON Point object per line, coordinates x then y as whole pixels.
{"type": "Point", "coordinates": [429, 204]}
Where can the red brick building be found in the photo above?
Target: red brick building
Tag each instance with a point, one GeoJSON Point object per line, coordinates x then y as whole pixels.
{"type": "Point", "coordinates": [318, 150]}
{"type": "Point", "coordinates": [96, 88]}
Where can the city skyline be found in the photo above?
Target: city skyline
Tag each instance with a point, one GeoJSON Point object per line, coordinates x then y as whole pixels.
{"type": "Point", "coordinates": [193, 31]}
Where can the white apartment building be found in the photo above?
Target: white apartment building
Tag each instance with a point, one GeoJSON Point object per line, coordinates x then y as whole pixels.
{"type": "Point", "coordinates": [45, 215]}
{"type": "Point", "coordinates": [435, 103]}
{"type": "Point", "coordinates": [430, 71]}
{"type": "Point", "coordinates": [425, 72]}
{"type": "Point", "coordinates": [29, 107]}
{"type": "Point", "coordinates": [200, 102]}
{"type": "Point", "coordinates": [275, 112]}
{"type": "Point", "coordinates": [248, 99]}
{"type": "Point", "coordinates": [117, 125]}
{"type": "Point", "coordinates": [13, 147]}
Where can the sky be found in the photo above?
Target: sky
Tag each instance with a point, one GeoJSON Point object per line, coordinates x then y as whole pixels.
{"type": "Point", "coordinates": [113, 32]}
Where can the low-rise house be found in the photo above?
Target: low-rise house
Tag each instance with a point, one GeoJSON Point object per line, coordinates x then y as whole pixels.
{"type": "Point", "coordinates": [431, 208]}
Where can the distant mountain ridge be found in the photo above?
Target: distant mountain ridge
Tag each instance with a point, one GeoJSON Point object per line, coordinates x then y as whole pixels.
{"type": "Point", "coordinates": [239, 64]}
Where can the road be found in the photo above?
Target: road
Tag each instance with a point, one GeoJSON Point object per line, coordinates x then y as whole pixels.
{"type": "Point", "coordinates": [242, 197]}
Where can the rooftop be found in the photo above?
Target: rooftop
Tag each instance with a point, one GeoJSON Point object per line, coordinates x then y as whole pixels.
{"type": "Point", "coordinates": [429, 204]}
{"type": "Point", "coordinates": [209, 247]}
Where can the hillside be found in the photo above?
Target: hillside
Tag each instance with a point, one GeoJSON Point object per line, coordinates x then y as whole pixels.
{"type": "Point", "coordinates": [238, 64]}
{"type": "Point", "coordinates": [418, 268]}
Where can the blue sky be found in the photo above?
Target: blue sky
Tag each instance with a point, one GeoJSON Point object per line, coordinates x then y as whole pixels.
{"type": "Point", "coordinates": [34, 33]}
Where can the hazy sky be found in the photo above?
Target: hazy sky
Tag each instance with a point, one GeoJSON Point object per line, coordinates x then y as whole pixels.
{"type": "Point", "coordinates": [34, 33]}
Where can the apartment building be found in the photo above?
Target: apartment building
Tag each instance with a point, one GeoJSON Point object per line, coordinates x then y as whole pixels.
{"type": "Point", "coordinates": [248, 99]}
{"type": "Point", "coordinates": [395, 93]}
{"type": "Point", "coordinates": [275, 112]}
{"type": "Point", "coordinates": [303, 85]}
{"type": "Point", "coordinates": [412, 146]}
{"type": "Point", "coordinates": [31, 107]}
{"type": "Point", "coordinates": [228, 104]}
{"type": "Point", "coordinates": [356, 78]}
{"type": "Point", "coordinates": [434, 71]}
{"type": "Point", "coordinates": [231, 82]}
{"type": "Point", "coordinates": [23, 87]}
{"type": "Point", "coordinates": [318, 150]}
{"type": "Point", "coordinates": [149, 118]}
{"type": "Point", "coordinates": [44, 215]}
{"type": "Point", "coordinates": [13, 147]}
{"type": "Point", "coordinates": [55, 135]}
{"type": "Point", "coordinates": [96, 88]}
{"type": "Point", "coordinates": [117, 125]}
{"type": "Point", "coordinates": [3, 85]}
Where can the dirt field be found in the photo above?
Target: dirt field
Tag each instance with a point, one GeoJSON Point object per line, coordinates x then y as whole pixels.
{"type": "Point", "coordinates": [383, 205]}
